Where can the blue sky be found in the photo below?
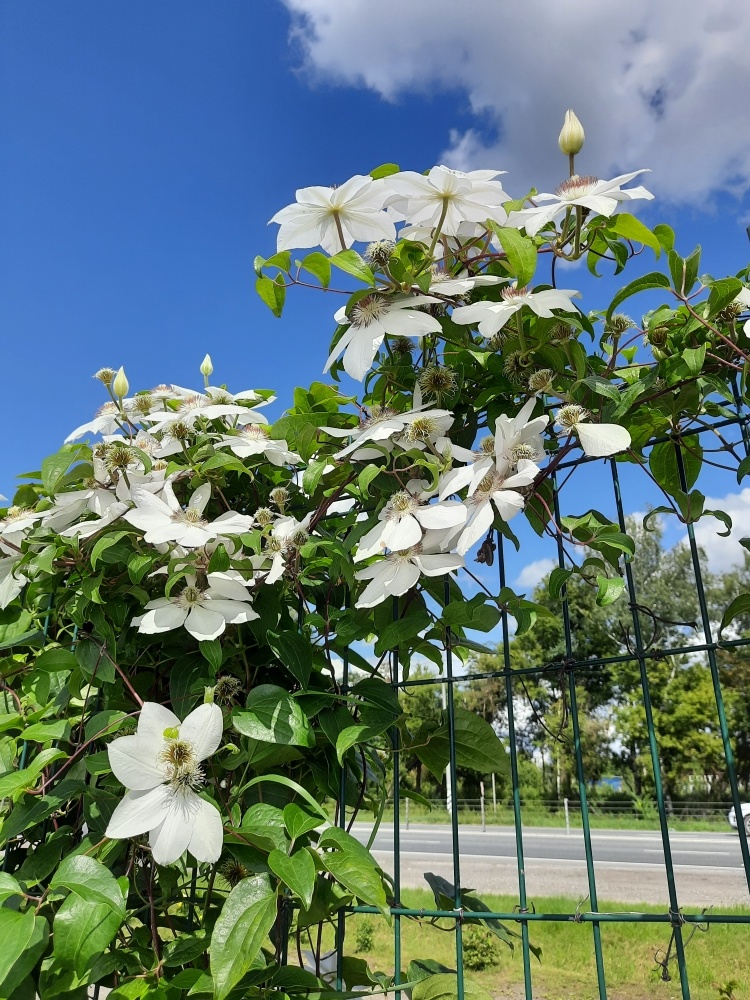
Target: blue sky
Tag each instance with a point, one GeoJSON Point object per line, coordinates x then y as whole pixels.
{"type": "Point", "coordinates": [147, 142]}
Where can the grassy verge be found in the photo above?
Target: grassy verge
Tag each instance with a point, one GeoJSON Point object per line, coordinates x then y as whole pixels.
{"type": "Point", "coordinates": [504, 817]}
{"type": "Point", "coordinates": [567, 968]}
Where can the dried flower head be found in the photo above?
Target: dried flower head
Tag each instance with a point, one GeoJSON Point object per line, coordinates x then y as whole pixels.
{"type": "Point", "coordinates": [438, 381]}
{"type": "Point", "coordinates": [379, 252]}
{"type": "Point", "coordinates": [105, 375]}
{"type": "Point", "coordinates": [541, 380]}
{"type": "Point", "coordinates": [279, 496]}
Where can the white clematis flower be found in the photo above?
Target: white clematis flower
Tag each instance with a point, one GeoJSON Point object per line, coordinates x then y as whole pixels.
{"type": "Point", "coordinates": [495, 492]}
{"type": "Point", "coordinates": [410, 428]}
{"type": "Point", "coordinates": [204, 613]}
{"type": "Point", "coordinates": [449, 195]}
{"type": "Point", "coordinates": [108, 420]}
{"type": "Point", "coordinates": [404, 519]}
{"type": "Point", "coordinates": [399, 571]}
{"type": "Point", "coordinates": [255, 439]}
{"type": "Point", "coordinates": [160, 766]}
{"type": "Point", "coordinates": [491, 317]}
{"type": "Point", "coordinates": [370, 320]}
{"type": "Point", "coordinates": [518, 437]}
{"type": "Point", "coordinates": [166, 521]}
{"type": "Point", "coordinates": [328, 216]}
{"type": "Point", "coordinates": [597, 440]}
{"type": "Point", "coordinates": [601, 197]}
{"type": "Point", "coordinates": [287, 536]}
{"type": "Point", "coordinates": [460, 284]}
{"type": "Point", "coordinates": [211, 405]}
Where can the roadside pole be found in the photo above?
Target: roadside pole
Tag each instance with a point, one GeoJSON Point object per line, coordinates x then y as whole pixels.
{"type": "Point", "coordinates": [567, 818]}
{"type": "Point", "coordinates": [481, 805]}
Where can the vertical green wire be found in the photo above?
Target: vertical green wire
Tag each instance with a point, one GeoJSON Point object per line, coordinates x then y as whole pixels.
{"type": "Point", "coordinates": [341, 921]}
{"type": "Point", "coordinates": [454, 800]}
{"type": "Point", "coordinates": [715, 681]}
{"type": "Point", "coordinates": [653, 747]}
{"type": "Point", "coordinates": [395, 742]}
{"type": "Point", "coordinates": [599, 958]}
{"type": "Point", "coordinates": [522, 900]}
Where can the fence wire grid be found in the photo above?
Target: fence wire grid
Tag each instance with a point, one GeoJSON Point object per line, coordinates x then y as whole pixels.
{"type": "Point", "coordinates": [588, 918]}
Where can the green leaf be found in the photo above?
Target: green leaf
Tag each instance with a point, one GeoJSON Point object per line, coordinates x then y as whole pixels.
{"type": "Point", "coordinates": [633, 229]}
{"type": "Point", "coordinates": [445, 987]}
{"type": "Point", "coordinates": [297, 871]}
{"type": "Point", "coordinates": [354, 867]}
{"type": "Point", "coordinates": [8, 887]}
{"type": "Point", "coordinates": [105, 542]}
{"type": "Point", "coordinates": [739, 606]}
{"type": "Point", "coordinates": [352, 735]}
{"type": "Point", "coordinates": [55, 466]}
{"type": "Point", "coordinates": [243, 925]}
{"type": "Point", "coordinates": [90, 880]}
{"type": "Point", "coordinates": [477, 745]}
{"type": "Point", "coordinates": [665, 235]}
{"type": "Point", "coordinates": [694, 358]}
{"type": "Point", "coordinates": [609, 590]}
{"type": "Point", "coordinates": [273, 294]}
{"type": "Point", "coordinates": [743, 469]}
{"type": "Point", "coordinates": [55, 660]}
{"type": "Point", "coordinates": [471, 614]}
{"type": "Point", "coordinates": [319, 266]}
{"type": "Point", "coordinates": [384, 170]}
{"type": "Point", "coordinates": [82, 930]}
{"type": "Point", "coordinates": [281, 779]}
{"type": "Point", "coordinates": [185, 948]}
{"type": "Point", "coordinates": [16, 781]}
{"type": "Point", "coordinates": [557, 580]}
{"type": "Point", "coordinates": [365, 477]}
{"type": "Point", "coordinates": [298, 821]}
{"type": "Point", "coordinates": [723, 291]}
{"type": "Point", "coordinates": [211, 651]}
{"type": "Point", "coordinates": [655, 279]}
{"type": "Point", "coordinates": [24, 937]}
{"type": "Point", "coordinates": [665, 469]}
{"type": "Point", "coordinates": [295, 652]}
{"type": "Point", "coordinates": [402, 629]}
{"type": "Point", "coordinates": [312, 475]}
{"type": "Point", "coordinates": [351, 262]}
{"type": "Point", "coordinates": [43, 732]}
{"type": "Point", "coordinates": [273, 716]}
{"type": "Point", "coordinates": [219, 561]}
{"type": "Point", "coordinates": [520, 251]}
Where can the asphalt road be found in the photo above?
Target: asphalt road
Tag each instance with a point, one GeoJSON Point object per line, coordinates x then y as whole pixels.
{"type": "Point", "coordinates": [629, 865]}
{"type": "Point", "coordinates": [620, 847]}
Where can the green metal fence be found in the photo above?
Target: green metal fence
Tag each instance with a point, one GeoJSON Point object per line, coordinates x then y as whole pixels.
{"type": "Point", "coordinates": [588, 919]}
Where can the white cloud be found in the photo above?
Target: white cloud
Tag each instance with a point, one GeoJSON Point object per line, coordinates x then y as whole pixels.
{"type": "Point", "coordinates": [724, 553]}
{"type": "Point", "coordinates": [533, 573]}
{"type": "Point", "coordinates": [661, 85]}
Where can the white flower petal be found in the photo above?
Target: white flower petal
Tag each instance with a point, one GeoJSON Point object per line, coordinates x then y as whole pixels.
{"type": "Point", "coordinates": [601, 440]}
{"type": "Point", "coordinates": [203, 728]}
{"type": "Point", "coordinates": [134, 761]}
{"type": "Point", "coordinates": [203, 624]}
{"type": "Point", "coordinates": [139, 812]}
{"type": "Point", "coordinates": [401, 533]}
{"type": "Point", "coordinates": [169, 840]}
{"type": "Point", "coordinates": [207, 837]}
{"type": "Point", "coordinates": [154, 719]}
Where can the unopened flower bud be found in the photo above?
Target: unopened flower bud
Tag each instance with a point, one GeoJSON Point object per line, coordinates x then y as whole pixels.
{"type": "Point", "coordinates": [279, 496]}
{"type": "Point", "coordinates": [572, 135]}
{"type": "Point", "coordinates": [208, 696]}
{"type": "Point", "coordinates": [207, 367]}
{"type": "Point", "coordinates": [120, 384]}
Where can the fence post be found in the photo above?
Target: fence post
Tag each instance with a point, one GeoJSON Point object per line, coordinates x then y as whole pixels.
{"type": "Point", "coordinates": [481, 805]}
{"type": "Point", "coordinates": [448, 789]}
{"type": "Point", "coordinates": [567, 817]}
{"type": "Point", "coordinates": [407, 814]}
{"type": "Point", "coordinates": [494, 795]}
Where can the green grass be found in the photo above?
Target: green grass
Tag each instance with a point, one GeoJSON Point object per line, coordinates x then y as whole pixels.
{"type": "Point", "coordinates": [567, 969]}
{"type": "Point", "coordinates": [531, 817]}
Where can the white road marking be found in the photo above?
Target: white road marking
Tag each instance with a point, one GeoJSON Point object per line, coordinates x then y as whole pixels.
{"type": "Point", "coordinates": [575, 861]}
